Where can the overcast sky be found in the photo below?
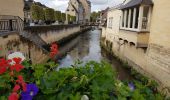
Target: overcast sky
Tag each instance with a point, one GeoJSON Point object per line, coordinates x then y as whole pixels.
{"type": "Point", "coordinates": [97, 5]}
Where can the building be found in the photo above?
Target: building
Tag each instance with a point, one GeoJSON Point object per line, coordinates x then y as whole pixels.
{"type": "Point", "coordinates": [138, 32]}
{"type": "Point", "coordinates": [12, 8]}
{"type": "Point", "coordinates": [11, 15]}
{"type": "Point", "coordinates": [27, 10]}
{"type": "Point", "coordinates": [103, 17]}
{"type": "Point", "coordinates": [87, 7]}
{"type": "Point", "coordinates": [79, 8]}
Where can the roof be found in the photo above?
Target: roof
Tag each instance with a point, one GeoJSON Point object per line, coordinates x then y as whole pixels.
{"type": "Point", "coordinates": [133, 3]}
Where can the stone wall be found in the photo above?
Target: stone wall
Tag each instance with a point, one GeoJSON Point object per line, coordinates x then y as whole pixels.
{"type": "Point", "coordinates": [12, 7]}
{"type": "Point", "coordinates": [53, 33]}
{"type": "Point", "coordinates": [152, 60]}
{"type": "Point", "coordinates": [14, 43]}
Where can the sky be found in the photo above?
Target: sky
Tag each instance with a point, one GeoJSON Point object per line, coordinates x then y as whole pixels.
{"type": "Point", "coordinates": [97, 5]}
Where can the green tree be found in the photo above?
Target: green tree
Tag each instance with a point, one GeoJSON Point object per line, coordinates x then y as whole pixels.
{"type": "Point", "coordinates": [58, 16]}
{"type": "Point", "coordinates": [69, 18]}
{"type": "Point", "coordinates": [49, 14]}
{"type": "Point", "coordinates": [73, 18]}
{"type": "Point", "coordinates": [37, 12]}
{"type": "Point", "coordinates": [94, 16]}
{"type": "Point", "coordinates": [63, 17]}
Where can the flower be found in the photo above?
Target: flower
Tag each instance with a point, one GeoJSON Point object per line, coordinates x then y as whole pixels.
{"type": "Point", "coordinates": [13, 96]}
{"type": "Point", "coordinates": [16, 88]}
{"type": "Point", "coordinates": [17, 66]}
{"type": "Point", "coordinates": [3, 65]}
{"type": "Point", "coordinates": [131, 86]}
{"type": "Point", "coordinates": [54, 50]}
{"type": "Point", "coordinates": [20, 81]}
{"type": "Point", "coordinates": [31, 91]}
{"type": "Point", "coordinates": [16, 55]}
{"type": "Point", "coordinates": [84, 97]}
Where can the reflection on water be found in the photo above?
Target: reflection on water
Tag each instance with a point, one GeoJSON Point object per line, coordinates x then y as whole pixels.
{"type": "Point", "coordinates": [13, 42]}
{"type": "Point", "coordinates": [86, 47]}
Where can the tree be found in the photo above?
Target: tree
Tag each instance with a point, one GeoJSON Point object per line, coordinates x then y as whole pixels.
{"type": "Point", "coordinates": [63, 17]}
{"type": "Point", "coordinates": [69, 18]}
{"type": "Point", "coordinates": [94, 16]}
{"type": "Point", "coordinates": [49, 14]}
{"type": "Point", "coordinates": [73, 18]}
{"type": "Point", "coordinates": [37, 12]}
{"type": "Point", "coordinates": [58, 16]}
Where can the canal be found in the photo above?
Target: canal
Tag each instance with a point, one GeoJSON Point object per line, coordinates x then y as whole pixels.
{"type": "Point", "coordinates": [86, 47]}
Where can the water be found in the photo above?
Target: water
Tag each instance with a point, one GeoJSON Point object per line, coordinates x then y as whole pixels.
{"type": "Point", "coordinates": [86, 47]}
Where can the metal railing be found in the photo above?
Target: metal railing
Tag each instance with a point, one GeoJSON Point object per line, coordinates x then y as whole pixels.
{"type": "Point", "coordinates": [11, 23]}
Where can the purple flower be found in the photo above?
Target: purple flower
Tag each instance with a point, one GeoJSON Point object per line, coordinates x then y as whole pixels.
{"type": "Point", "coordinates": [31, 91]}
{"type": "Point", "coordinates": [131, 86]}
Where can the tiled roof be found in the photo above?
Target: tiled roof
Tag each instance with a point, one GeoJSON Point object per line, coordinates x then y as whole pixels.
{"type": "Point", "coordinates": [133, 3]}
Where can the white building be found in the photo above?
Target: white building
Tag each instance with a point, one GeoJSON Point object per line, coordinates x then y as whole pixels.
{"type": "Point", "coordinates": [138, 32]}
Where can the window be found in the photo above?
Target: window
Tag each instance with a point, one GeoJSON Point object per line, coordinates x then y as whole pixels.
{"type": "Point", "coordinates": [72, 9]}
{"type": "Point", "coordinates": [136, 19]}
{"type": "Point", "coordinates": [67, 9]}
{"type": "Point", "coordinates": [145, 17]}
{"type": "Point", "coordinates": [110, 22]}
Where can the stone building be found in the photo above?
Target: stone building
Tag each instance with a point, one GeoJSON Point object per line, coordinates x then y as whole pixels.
{"type": "Point", "coordinates": [12, 8]}
{"type": "Point", "coordinates": [11, 15]}
{"type": "Point", "coordinates": [79, 8]}
{"type": "Point", "coordinates": [27, 10]}
{"type": "Point", "coordinates": [87, 7]}
{"type": "Point", "coordinates": [138, 32]}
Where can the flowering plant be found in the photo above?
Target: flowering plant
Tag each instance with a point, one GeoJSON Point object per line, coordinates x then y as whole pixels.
{"type": "Point", "coordinates": [10, 73]}
{"type": "Point", "coordinates": [53, 50]}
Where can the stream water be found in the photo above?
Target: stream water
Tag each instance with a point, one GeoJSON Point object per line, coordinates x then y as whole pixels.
{"type": "Point", "coordinates": [86, 47]}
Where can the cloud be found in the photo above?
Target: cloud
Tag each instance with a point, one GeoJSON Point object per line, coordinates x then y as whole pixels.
{"type": "Point", "coordinates": [96, 4]}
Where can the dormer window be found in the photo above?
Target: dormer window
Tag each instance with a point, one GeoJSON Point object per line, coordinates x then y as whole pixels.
{"type": "Point", "coordinates": [136, 15]}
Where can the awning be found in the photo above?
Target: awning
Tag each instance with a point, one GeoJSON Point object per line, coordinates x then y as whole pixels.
{"type": "Point", "coordinates": [134, 3]}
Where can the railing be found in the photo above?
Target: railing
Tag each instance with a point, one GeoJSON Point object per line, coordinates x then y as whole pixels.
{"type": "Point", "coordinates": [11, 23]}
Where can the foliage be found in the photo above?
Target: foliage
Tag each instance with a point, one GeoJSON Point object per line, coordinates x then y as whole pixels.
{"type": "Point", "coordinates": [93, 80]}
{"type": "Point", "coordinates": [58, 16]}
{"type": "Point", "coordinates": [94, 16]}
{"type": "Point", "coordinates": [37, 12]}
{"type": "Point", "coordinates": [96, 80]}
{"type": "Point", "coordinates": [68, 18]}
{"type": "Point", "coordinates": [63, 17]}
{"type": "Point", "coordinates": [73, 18]}
{"type": "Point", "coordinates": [49, 14]}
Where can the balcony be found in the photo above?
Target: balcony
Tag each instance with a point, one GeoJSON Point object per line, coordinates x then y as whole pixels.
{"type": "Point", "coordinates": [139, 39]}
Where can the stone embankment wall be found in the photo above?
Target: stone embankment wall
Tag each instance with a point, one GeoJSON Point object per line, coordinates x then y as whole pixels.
{"type": "Point", "coordinates": [12, 42]}
{"type": "Point", "coordinates": [55, 33]}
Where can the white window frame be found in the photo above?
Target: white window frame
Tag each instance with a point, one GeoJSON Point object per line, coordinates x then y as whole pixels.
{"type": "Point", "coordinates": [110, 22]}
{"type": "Point", "coordinates": [139, 28]}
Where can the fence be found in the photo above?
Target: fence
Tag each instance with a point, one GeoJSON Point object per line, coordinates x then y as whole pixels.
{"type": "Point", "coordinates": [11, 23]}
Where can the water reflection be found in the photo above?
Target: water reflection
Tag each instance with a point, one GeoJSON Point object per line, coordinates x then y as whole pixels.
{"type": "Point", "coordinates": [86, 47]}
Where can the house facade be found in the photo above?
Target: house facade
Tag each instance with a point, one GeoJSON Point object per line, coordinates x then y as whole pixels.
{"type": "Point", "coordinates": [81, 9]}
{"type": "Point", "coordinates": [12, 8]}
{"type": "Point", "coordinates": [87, 8]}
{"type": "Point", "coordinates": [27, 11]}
{"type": "Point", "coordinates": [138, 32]}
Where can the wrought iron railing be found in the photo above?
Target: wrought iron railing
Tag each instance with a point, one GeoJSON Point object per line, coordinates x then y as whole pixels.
{"type": "Point", "coordinates": [11, 23]}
